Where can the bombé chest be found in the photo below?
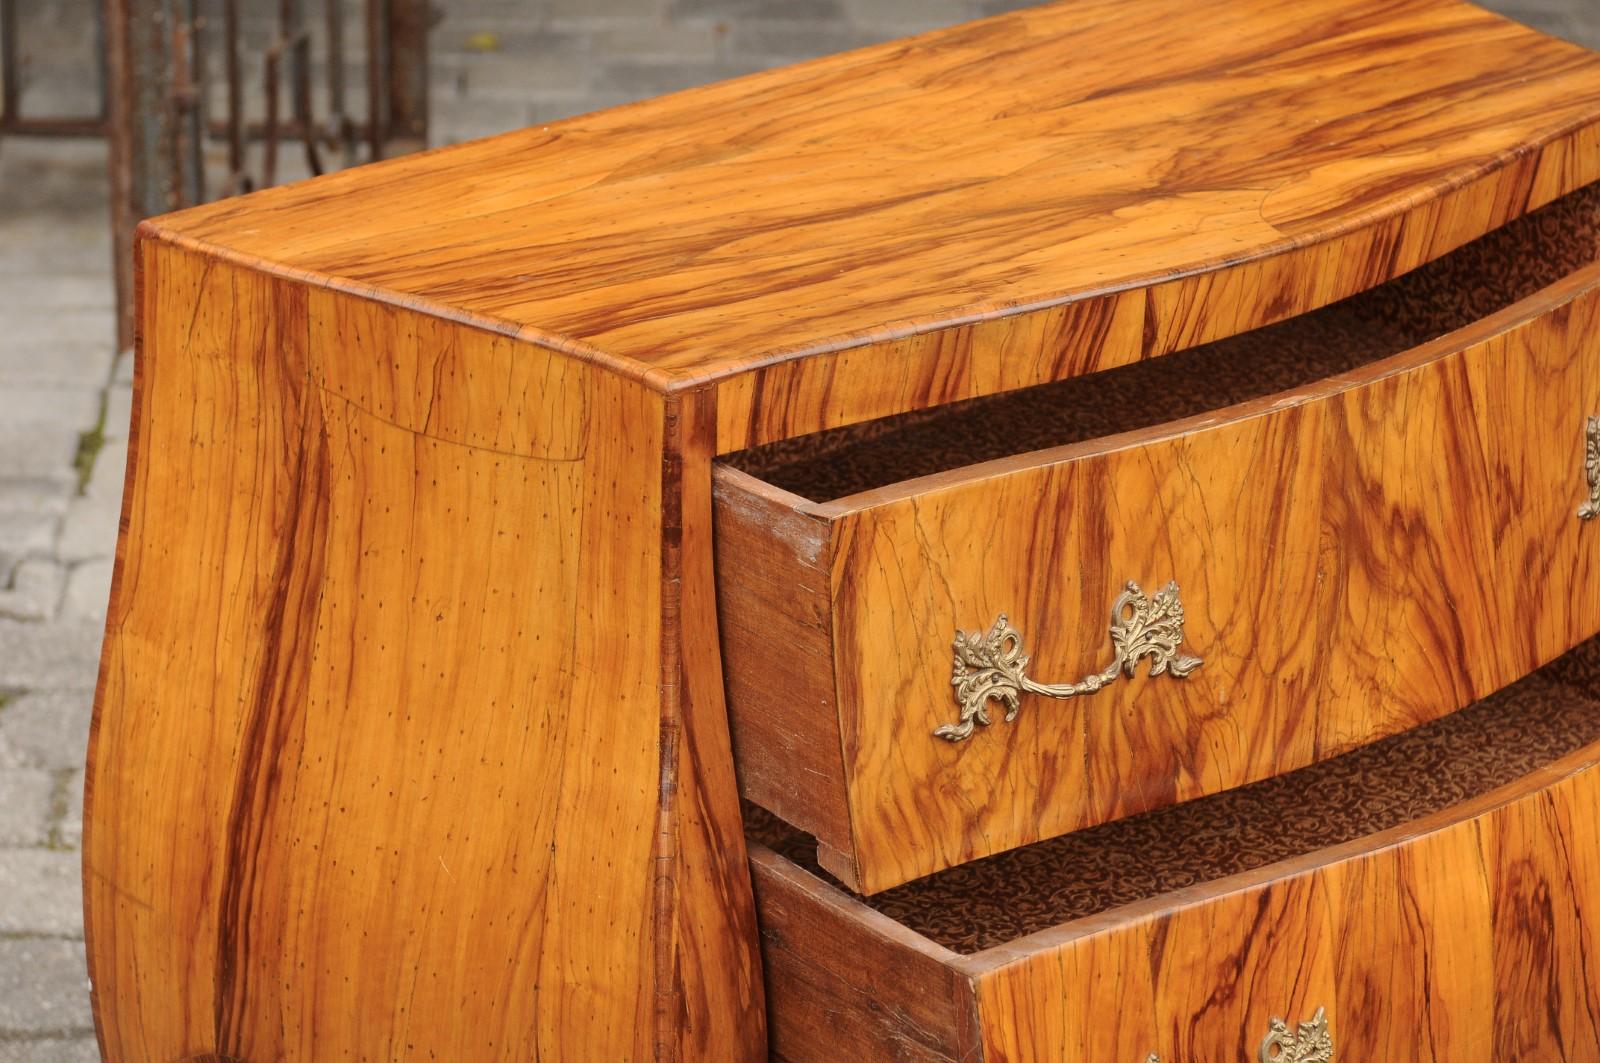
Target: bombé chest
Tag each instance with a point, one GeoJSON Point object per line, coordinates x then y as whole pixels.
{"type": "Point", "coordinates": [1065, 538]}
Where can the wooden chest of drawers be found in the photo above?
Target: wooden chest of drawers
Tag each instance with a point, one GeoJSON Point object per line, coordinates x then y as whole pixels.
{"type": "Point", "coordinates": [1069, 538]}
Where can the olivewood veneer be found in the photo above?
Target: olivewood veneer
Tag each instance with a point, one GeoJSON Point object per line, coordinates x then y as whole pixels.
{"type": "Point", "coordinates": [1357, 505]}
{"type": "Point", "coordinates": [1463, 287]}
{"type": "Point", "coordinates": [1438, 894]}
{"type": "Point", "coordinates": [1030, 197]}
{"type": "Point", "coordinates": [1493, 743]}
{"type": "Point", "coordinates": [411, 740]}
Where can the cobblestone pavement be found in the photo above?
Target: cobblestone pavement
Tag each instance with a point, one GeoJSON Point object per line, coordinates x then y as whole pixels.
{"type": "Point", "coordinates": [64, 393]}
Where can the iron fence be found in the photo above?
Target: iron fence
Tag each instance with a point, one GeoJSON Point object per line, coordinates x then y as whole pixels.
{"type": "Point", "coordinates": [200, 99]}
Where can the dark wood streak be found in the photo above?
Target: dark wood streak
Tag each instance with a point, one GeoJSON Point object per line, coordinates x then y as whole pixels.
{"type": "Point", "coordinates": [1460, 935]}
{"type": "Point", "coordinates": [1330, 495]}
{"type": "Point", "coordinates": [1454, 292]}
{"type": "Point", "coordinates": [703, 236]}
{"type": "Point", "coordinates": [396, 752]}
{"type": "Point", "coordinates": [704, 915]}
{"type": "Point", "coordinates": [268, 750]}
{"type": "Point", "coordinates": [527, 351]}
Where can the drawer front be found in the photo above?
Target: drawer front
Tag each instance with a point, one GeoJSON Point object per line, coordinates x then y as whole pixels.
{"type": "Point", "coordinates": [1475, 943]}
{"type": "Point", "coordinates": [1467, 935]}
{"type": "Point", "coordinates": [1351, 560]}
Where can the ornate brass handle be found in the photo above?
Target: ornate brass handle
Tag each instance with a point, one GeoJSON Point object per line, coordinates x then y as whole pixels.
{"type": "Point", "coordinates": [1591, 467]}
{"type": "Point", "coordinates": [1311, 1043]}
{"type": "Point", "coordinates": [993, 666]}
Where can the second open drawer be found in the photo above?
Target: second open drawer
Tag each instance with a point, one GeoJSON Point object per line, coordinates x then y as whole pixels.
{"type": "Point", "coordinates": [1316, 535]}
{"type": "Point", "coordinates": [1427, 898]}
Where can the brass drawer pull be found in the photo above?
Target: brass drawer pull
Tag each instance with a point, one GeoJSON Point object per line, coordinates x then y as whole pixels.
{"type": "Point", "coordinates": [1311, 1043]}
{"type": "Point", "coordinates": [993, 666]}
{"type": "Point", "coordinates": [1591, 467]}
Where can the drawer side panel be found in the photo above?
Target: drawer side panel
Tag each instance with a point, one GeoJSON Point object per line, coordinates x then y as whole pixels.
{"type": "Point", "coordinates": [843, 983]}
{"type": "Point", "coordinates": [777, 650]}
{"type": "Point", "coordinates": [1471, 943]}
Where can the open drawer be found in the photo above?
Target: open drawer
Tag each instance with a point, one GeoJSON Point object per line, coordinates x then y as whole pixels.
{"type": "Point", "coordinates": [1432, 897]}
{"type": "Point", "coordinates": [1340, 527]}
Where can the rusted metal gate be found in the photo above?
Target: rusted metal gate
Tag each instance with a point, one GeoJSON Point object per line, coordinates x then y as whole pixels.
{"type": "Point", "coordinates": [13, 120]}
{"type": "Point", "coordinates": [202, 98]}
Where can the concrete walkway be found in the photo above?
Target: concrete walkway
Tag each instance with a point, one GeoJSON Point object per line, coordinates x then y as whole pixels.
{"type": "Point", "coordinates": [64, 394]}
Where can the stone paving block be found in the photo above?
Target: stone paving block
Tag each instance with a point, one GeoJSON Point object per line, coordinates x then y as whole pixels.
{"type": "Point", "coordinates": [38, 449]}
{"type": "Point", "coordinates": [123, 374]}
{"type": "Point", "coordinates": [69, 829]}
{"type": "Point", "coordinates": [60, 655]}
{"type": "Point", "coordinates": [61, 291]}
{"type": "Point", "coordinates": [48, 729]}
{"type": "Point", "coordinates": [1557, 23]}
{"type": "Point", "coordinates": [54, 246]}
{"type": "Point", "coordinates": [79, 1049]}
{"type": "Point", "coordinates": [25, 811]}
{"type": "Point", "coordinates": [31, 497]}
{"type": "Point", "coordinates": [1520, 9]}
{"type": "Point", "coordinates": [78, 406]}
{"type": "Point", "coordinates": [90, 528]}
{"type": "Point", "coordinates": [517, 78]}
{"type": "Point", "coordinates": [795, 10]}
{"type": "Point", "coordinates": [110, 464]}
{"type": "Point", "coordinates": [904, 17]}
{"type": "Point", "coordinates": [88, 589]}
{"type": "Point", "coordinates": [42, 326]}
{"type": "Point", "coordinates": [34, 592]}
{"type": "Point", "coordinates": [119, 411]}
{"type": "Point", "coordinates": [27, 529]}
{"type": "Point", "coordinates": [462, 119]}
{"type": "Point", "coordinates": [86, 364]}
{"type": "Point", "coordinates": [602, 9]}
{"type": "Point", "coordinates": [43, 173]}
{"type": "Point", "coordinates": [640, 79]}
{"type": "Point", "coordinates": [1569, 25]}
{"type": "Point", "coordinates": [997, 7]}
{"type": "Point", "coordinates": [513, 40]}
{"type": "Point", "coordinates": [662, 41]}
{"type": "Point", "coordinates": [43, 893]}
{"type": "Point", "coordinates": [773, 42]}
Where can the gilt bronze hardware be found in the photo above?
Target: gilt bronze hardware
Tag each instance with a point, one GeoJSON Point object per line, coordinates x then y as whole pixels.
{"type": "Point", "coordinates": [1310, 1043]}
{"type": "Point", "coordinates": [993, 666]}
{"type": "Point", "coordinates": [1591, 467]}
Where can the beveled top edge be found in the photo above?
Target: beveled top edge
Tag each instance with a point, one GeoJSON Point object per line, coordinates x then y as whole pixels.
{"type": "Point", "coordinates": [1000, 169]}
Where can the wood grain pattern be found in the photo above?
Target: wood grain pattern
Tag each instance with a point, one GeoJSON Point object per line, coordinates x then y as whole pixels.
{"type": "Point", "coordinates": [875, 984]}
{"type": "Point", "coordinates": [1356, 556]}
{"type": "Point", "coordinates": [1452, 293]}
{"type": "Point", "coordinates": [1462, 937]}
{"type": "Point", "coordinates": [708, 979]}
{"type": "Point", "coordinates": [777, 638]}
{"type": "Point", "coordinates": [1543, 869]}
{"type": "Point", "coordinates": [1072, 187]}
{"type": "Point", "coordinates": [1387, 784]}
{"type": "Point", "coordinates": [409, 742]}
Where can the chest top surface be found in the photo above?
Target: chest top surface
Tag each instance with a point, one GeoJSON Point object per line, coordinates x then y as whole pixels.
{"type": "Point", "coordinates": [1030, 160]}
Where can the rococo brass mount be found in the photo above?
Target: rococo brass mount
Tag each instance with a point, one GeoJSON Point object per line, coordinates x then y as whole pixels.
{"type": "Point", "coordinates": [993, 666]}
{"type": "Point", "coordinates": [1311, 1043]}
{"type": "Point", "coordinates": [1591, 467]}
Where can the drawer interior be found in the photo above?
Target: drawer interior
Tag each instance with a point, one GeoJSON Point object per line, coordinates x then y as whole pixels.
{"type": "Point", "coordinates": [1467, 285]}
{"type": "Point", "coordinates": [1551, 713]}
